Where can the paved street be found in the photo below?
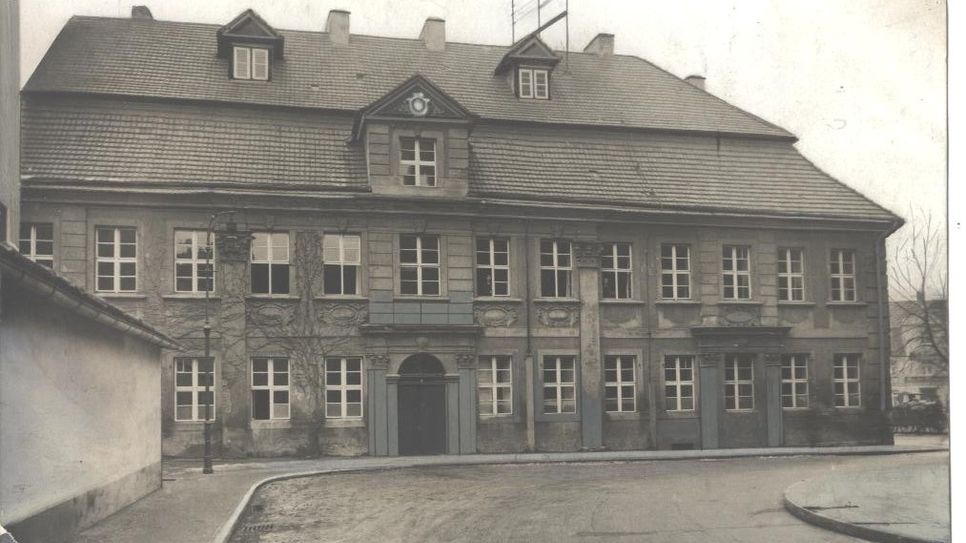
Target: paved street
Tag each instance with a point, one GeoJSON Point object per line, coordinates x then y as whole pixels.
{"type": "Point", "coordinates": [687, 500]}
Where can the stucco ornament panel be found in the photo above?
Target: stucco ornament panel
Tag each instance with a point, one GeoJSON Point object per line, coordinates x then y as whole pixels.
{"type": "Point", "coordinates": [377, 361]}
{"type": "Point", "coordinates": [739, 316]}
{"type": "Point", "coordinates": [271, 314]}
{"type": "Point", "coordinates": [587, 254]}
{"type": "Point", "coordinates": [558, 315]}
{"type": "Point", "coordinates": [345, 313]}
{"type": "Point", "coordinates": [495, 315]}
{"type": "Point", "coordinates": [466, 360]}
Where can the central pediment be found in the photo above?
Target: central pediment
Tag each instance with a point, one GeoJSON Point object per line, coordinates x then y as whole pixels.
{"type": "Point", "coordinates": [416, 99]}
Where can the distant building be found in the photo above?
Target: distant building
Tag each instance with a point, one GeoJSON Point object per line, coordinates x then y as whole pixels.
{"type": "Point", "coordinates": [918, 373]}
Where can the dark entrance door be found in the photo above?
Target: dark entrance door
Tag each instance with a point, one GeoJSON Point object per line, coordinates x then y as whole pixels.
{"type": "Point", "coordinates": [422, 406]}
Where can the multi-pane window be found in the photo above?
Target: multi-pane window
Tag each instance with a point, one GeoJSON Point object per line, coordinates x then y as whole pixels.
{"type": "Point", "coordinates": [739, 382]}
{"type": "Point", "coordinates": [735, 272]}
{"type": "Point", "coordinates": [495, 380]}
{"type": "Point", "coordinates": [343, 388]}
{"type": "Point", "coordinates": [615, 271]}
{"type": "Point", "coordinates": [555, 268]}
{"type": "Point", "coordinates": [559, 384]}
{"type": "Point", "coordinates": [270, 388]}
{"type": "Point", "coordinates": [675, 271]}
{"type": "Point", "coordinates": [269, 266]}
{"type": "Point", "coordinates": [619, 384]}
{"type": "Point", "coordinates": [341, 256]}
{"type": "Point", "coordinates": [791, 275]}
{"type": "Point", "coordinates": [845, 379]}
{"type": "Point", "coordinates": [191, 252]}
{"type": "Point", "coordinates": [419, 264]}
{"type": "Point", "coordinates": [678, 383]}
{"type": "Point", "coordinates": [533, 83]}
{"type": "Point", "coordinates": [842, 275]}
{"type": "Point", "coordinates": [492, 267]}
{"type": "Point", "coordinates": [37, 242]}
{"type": "Point", "coordinates": [794, 381]}
{"type": "Point", "coordinates": [417, 158]}
{"type": "Point", "coordinates": [117, 259]}
{"type": "Point", "coordinates": [250, 63]}
{"type": "Point", "coordinates": [191, 400]}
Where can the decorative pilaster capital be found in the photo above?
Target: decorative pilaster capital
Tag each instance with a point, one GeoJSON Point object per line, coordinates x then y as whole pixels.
{"type": "Point", "coordinates": [233, 245]}
{"type": "Point", "coordinates": [587, 254]}
{"type": "Point", "coordinates": [710, 359]}
{"type": "Point", "coordinates": [378, 361]}
{"type": "Point", "coordinates": [772, 358]}
{"type": "Point", "coordinates": [466, 360]}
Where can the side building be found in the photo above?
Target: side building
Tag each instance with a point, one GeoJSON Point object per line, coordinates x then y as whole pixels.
{"type": "Point", "coordinates": [440, 247]}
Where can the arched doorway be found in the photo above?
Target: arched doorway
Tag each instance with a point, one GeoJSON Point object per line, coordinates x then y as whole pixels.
{"type": "Point", "coordinates": [422, 406]}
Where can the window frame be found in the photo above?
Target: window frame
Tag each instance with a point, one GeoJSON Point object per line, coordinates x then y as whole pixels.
{"type": "Point", "coordinates": [530, 89]}
{"type": "Point", "coordinates": [845, 380]}
{"type": "Point", "coordinates": [616, 271]}
{"type": "Point", "coordinates": [791, 362]}
{"type": "Point", "coordinates": [559, 385]}
{"type": "Point", "coordinates": [674, 272]}
{"type": "Point", "coordinates": [342, 263]}
{"type": "Point", "coordinates": [841, 277]}
{"type": "Point", "coordinates": [33, 239]}
{"type": "Point", "coordinates": [115, 260]}
{"type": "Point", "coordinates": [196, 388]}
{"type": "Point", "coordinates": [248, 61]}
{"type": "Point", "coordinates": [198, 239]}
{"type": "Point", "coordinates": [491, 266]}
{"type": "Point", "coordinates": [343, 388]}
{"type": "Point", "coordinates": [270, 261]}
{"type": "Point", "coordinates": [419, 265]}
{"type": "Point", "coordinates": [493, 370]}
{"type": "Point", "coordinates": [417, 163]}
{"type": "Point", "coordinates": [734, 381]}
{"type": "Point", "coordinates": [620, 384]}
{"type": "Point", "coordinates": [789, 275]}
{"type": "Point", "coordinates": [271, 387]}
{"type": "Point", "coordinates": [678, 383]}
{"type": "Point", "coordinates": [556, 267]}
{"type": "Point", "coordinates": [735, 274]}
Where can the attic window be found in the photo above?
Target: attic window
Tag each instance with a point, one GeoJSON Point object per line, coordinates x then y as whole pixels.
{"type": "Point", "coordinates": [250, 63]}
{"type": "Point", "coordinates": [532, 83]}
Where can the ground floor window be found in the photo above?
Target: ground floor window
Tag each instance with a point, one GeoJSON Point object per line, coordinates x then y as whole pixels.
{"type": "Point", "coordinates": [495, 380]}
{"type": "Point", "coordinates": [559, 384]}
{"type": "Point", "coordinates": [191, 400]}
{"type": "Point", "coordinates": [678, 383]}
{"type": "Point", "coordinates": [343, 388]}
{"type": "Point", "coordinates": [794, 381]}
{"type": "Point", "coordinates": [739, 382]}
{"type": "Point", "coordinates": [845, 379]}
{"type": "Point", "coordinates": [620, 384]}
{"type": "Point", "coordinates": [270, 398]}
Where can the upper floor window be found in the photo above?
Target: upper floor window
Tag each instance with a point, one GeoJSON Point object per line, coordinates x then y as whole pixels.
{"type": "Point", "coordinates": [845, 379]}
{"type": "Point", "coordinates": [739, 382]}
{"type": "Point", "coordinates": [555, 268]}
{"type": "Point", "coordinates": [619, 384]}
{"type": "Point", "coordinates": [417, 158]}
{"type": "Point", "coordinates": [250, 63]}
{"type": "Point", "coordinates": [117, 259]}
{"type": "Point", "coordinates": [37, 242]}
{"type": "Point", "coordinates": [559, 384]}
{"type": "Point", "coordinates": [492, 267]}
{"type": "Point", "coordinates": [678, 383]}
{"type": "Point", "coordinates": [191, 375]}
{"type": "Point", "coordinates": [419, 265]}
{"type": "Point", "coordinates": [533, 83]}
{"type": "Point", "coordinates": [735, 272]}
{"type": "Point", "coordinates": [270, 388]}
{"type": "Point", "coordinates": [269, 266]}
{"type": "Point", "coordinates": [794, 381]}
{"type": "Point", "coordinates": [615, 271]}
{"type": "Point", "coordinates": [193, 261]}
{"type": "Point", "coordinates": [495, 380]}
{"type": "Point", "coordinates": [343, 388]}
{"type": "Point", "coordinates": [842, 275]}
{"type": "Point", "coordinates": [341, 256]}
{"type": "Point", "coordinates": [675, 271]}
{"type": "Point", "coordinates": [791, 275]}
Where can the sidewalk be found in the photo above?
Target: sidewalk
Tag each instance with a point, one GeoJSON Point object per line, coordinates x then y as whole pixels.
{"type": "Point", "coordinates": [193, 507]}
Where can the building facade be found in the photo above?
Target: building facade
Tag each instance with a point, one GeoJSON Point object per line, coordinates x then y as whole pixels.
{"type": "Point", "coordinates": [452, 248]}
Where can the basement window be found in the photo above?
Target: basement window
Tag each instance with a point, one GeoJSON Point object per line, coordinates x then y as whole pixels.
{"type": "Point", "coordinates": [250, 63]}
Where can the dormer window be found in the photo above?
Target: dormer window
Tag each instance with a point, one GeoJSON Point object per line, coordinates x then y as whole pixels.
{"type": "Point", "coordinates": [533, 83]}
{"type": "Point", "coordinates": [250, 63]}
{"type": "Point", "coordinates": [417, 160]}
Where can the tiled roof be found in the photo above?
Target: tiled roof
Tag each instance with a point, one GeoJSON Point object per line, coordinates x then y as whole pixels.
{"type": "Point", "coordinates": [178, 60]}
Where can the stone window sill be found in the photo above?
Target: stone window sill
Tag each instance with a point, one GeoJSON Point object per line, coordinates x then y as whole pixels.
{"type": "Point", "coordinates": [268, 297]}
{"type": "Point", "coordinates": [272, 423]}
{"type": "Point", "coordinates": [846, 304]}
{"type": "Point", "coordinates": [678, 302]}
{"type": "Point", "coordinates": [498, 299]}
{"type": "Point", "coordinates": [185, 296]}
{"type": "Point", "coordinates": [122, 295]}
{"type": "Point", "coordinates": [740, 302]}
{"type": "Point", "coordinates": [622, 415]}
{"type": "Point", "coordinates": [497, 419]}
{"type": "Point", "coordinates": [345, 423]}
{"type": "Point", "coordinates": [341, 298]}
{"type": "Point", "coordinates": [617, 301]}
{"type": "Point", "coordinates": [568, 300]}
{"type": "Point", "coordinates": [795, 304]}
{"type": "Point", "coordinates": [408, 298]}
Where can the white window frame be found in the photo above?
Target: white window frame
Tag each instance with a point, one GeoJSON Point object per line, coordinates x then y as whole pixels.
{"type": "Point", "coordinates": [841, 364]}
{"type": "Point", "coordinates": [344, 387]}
{"type": "Point", "coordinates": [731, 258]}
{"type": "Point", "coordinates": [787, 260]}
{"type": "Point", "coordinates": [271, 259]}
{"type": "Point", "coordinates": [837, 280]}
{"type": "Point", "coordinates": [338, 251]}
{"type": "Point", "coordinates": [558, 385]}
{"type": "Point", "coordinates": [196, 261]}
{"type": "Point", "coordinates": [490, 265]}
{"type": "Point", "coordinates": [533, 87]}
{"type": "Point", "coordinates": [246, 61]}
{"type": "Point", "coordinates": [615, 270]}
{"type": "Point", "coordinates": [559, 270]}
{"type": "Point", "coordinates": [796, 382]}
{"type": "Point", "coordinates": [614, 381]}
{"type": "Point", "coordinates": [116, 260]}
{"type": "Point", "coordinates": [421, 266]}
{"type": "Point", "coordinates": [678, 383]}
{"type": "Point", "coordinates": [489, 373]}
{"type": "Point", "coordinates": [196, 388]}
{"type": "Point", "coordinates": [733, 365]}
{"type": "Point", "coordinates": [417, 163]}
{"type": "Point", "coordinates": [272, 387]}
{"type": "Point", "coordinates": [671, 273]}
{"type": "Point", "coordinates": [29, 240]}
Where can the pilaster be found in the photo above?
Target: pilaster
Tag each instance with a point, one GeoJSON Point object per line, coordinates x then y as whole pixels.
{"type": "Point", "coordinates": [587, 258]}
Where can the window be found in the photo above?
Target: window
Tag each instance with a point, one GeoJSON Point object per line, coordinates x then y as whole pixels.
{"type": "Point", "coordinates": [270, 268]}
{"type": "Point", "coordinates": [117, 262]}
{"type": "Point", "coordinates": [417, 156]}
{"type": "Point", "coordinates": [735, 273]}
{"type": "Point", "coordinates": [615, 272]}
{"type": "Point", "coordinates": [791, 275]}
{"type": "Point", "coordinates": [191, 401]}
{"type": "Point", "coordinates": [419, 265]}
{"type": "Point", "coordinates": [37, 242]}
{"type": "Point", "coordinates": [739, 382]}
{"type": "Point", "coordinates": [270, 388]}
{"type": "Point", "coordinates": [492, 267]}
{"type": "Point", "coordinates": [678, 383]}
{"type": "Point", "coordinates": [794, 381]}
{"type": "Point", "coordinates": [343, 388]}
{"type": "Point", "coordinates": [341, 255]}
{"type": "Point", "coordinates": [555, 268]}
{"type": "Point", "coordinates": [619, 384]}
{"type": "Point", "coordinates": [675, 271]}
{"type": "Point", "coordinates": [191, 274]}
{"type": "Point", "coordinates": [842, 275]}
{"type": "Point", "coordinates": [559, 384]}
{"type": "Point", "coordinates": [250, 63]}
{"type": "Point", "coordinates": [533, 83]}
{"type": "Point", "coordinates": [845, 379]}
{"type": "Point", "coordinates": [495, 379]}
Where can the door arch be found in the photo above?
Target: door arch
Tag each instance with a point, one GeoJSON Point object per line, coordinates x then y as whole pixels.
{"type": "Point", "coordinates": [422, 406]}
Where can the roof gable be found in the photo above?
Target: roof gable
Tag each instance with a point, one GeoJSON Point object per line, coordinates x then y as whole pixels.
{"type": "Point", "coordinates": [416, 99]}
{"type": "Point", "coordinates": [529, 50]}
{"type": "Point", "coordinates": [249, 27]}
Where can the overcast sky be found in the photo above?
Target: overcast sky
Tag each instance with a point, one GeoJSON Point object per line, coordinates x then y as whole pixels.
{"type": "Point", "coordinates": [860, 82]}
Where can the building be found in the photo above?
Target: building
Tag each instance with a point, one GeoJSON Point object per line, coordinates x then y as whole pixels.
{"type": "Point", "coordinates": [453, 248]}
{"type": "Point", "coordinates": [918, 372]}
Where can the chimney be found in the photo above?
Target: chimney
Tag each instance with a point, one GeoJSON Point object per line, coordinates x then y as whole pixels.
{"type": "Point", "coordinates": [337, 26]}
{"type": "Point", "coordinates": [141, 12]}
{"type": "Point", "coordinates": [434, 34]}
{"type": "Point", "coordinates": [602, 45]}
{"type": "Point", "coordinates": [696, 80]}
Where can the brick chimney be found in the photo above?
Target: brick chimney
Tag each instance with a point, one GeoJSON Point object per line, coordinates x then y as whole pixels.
{"type": "Point", "coordinates": [141, 12]}
{"type": "Point", "coordinates": [602, 45]}
{"type": "Point", "coordinates": [337, 26]}
{"type": "Point", "coordinates": [696, 80]}
{"type": "Point", "coordinates": [434, 34]}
